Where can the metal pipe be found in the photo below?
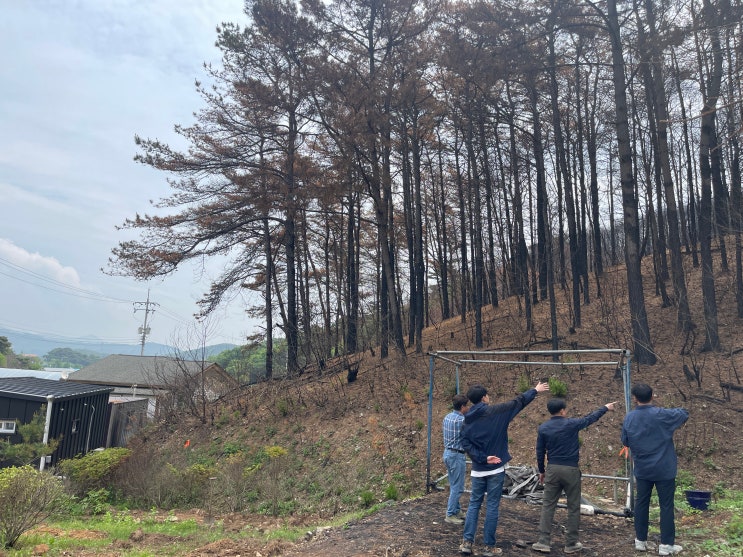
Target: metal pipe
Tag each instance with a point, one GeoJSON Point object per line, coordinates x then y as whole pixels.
{"type": "Point", "coordinates": [90, 426]}
{"type": "Point", "coordinates": [532, 363]}
{"type": "Point", "coordinates": [430, 421]}
{"type": "Point", "coordinates": [536, 352]}
{"type": "Point", "coordinates": [605, 477]}
{"type": "Point", "coordinates": [47, 427]}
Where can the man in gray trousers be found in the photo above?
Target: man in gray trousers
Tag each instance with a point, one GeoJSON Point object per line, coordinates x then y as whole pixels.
{"type": "Point", "coordinates": [557, 438]}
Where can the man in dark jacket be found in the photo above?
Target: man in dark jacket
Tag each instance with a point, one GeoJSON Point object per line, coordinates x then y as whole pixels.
{"type": "Point", "coordinates": [557, 438]}
{"type": "Point", "coordinates": [485, 438]}
{"type": "Point", "coordinates": [648, 432]}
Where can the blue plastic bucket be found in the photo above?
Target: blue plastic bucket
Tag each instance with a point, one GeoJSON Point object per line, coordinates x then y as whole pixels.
{"type": "Point", "coordinates": [698, 499]}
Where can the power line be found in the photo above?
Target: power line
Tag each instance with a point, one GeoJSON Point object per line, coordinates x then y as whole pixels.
{"type": "Point", "coordinates": [172, 315]}
{"type": "Point", "coordinates": [74, 290]}
{"type": "Point", "coordinates": [67, 289]}
{"type": "Point", "coordinates": [62, 338]}
{"type": "Point", "coordinates": [37, 280]}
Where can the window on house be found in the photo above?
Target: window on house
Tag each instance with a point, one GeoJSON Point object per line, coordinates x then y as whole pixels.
{"type": "Point", "coordinates": [7, 427]}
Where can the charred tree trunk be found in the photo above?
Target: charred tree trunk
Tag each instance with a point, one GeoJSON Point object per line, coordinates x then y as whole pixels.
{"type": "Point", "coordinates": [643, 346]}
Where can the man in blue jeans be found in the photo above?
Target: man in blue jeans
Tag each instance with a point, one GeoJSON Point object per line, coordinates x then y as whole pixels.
{"type": "Point", "coordinates": [454, 457]}
{"type": "Point", "coordinates": [648, 432]}
{"type": "Point", "coordinates": [485, 438]}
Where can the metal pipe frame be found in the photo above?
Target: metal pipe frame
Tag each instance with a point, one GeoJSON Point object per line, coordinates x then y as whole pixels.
{"type": "Point", "coordinates": [447, 356]}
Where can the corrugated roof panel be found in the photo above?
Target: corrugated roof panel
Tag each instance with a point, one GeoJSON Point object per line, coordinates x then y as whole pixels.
{"type": "Point", "coordinates": [41, 388]}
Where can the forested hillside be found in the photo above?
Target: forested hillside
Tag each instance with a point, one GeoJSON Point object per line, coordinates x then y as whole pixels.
{"type": "Point", "coordinates": [373, 169]}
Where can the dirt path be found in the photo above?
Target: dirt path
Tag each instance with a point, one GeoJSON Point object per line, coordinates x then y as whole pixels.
{"type": "Point", "coordinates": [416, 529]}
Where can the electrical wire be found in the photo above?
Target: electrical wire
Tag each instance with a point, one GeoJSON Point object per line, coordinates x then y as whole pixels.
{"type": "Point", "coordinates": [73, 290]}
{"type": "Point", "coordinates": [31, 278]}
{"type": "Point", "coordinates": [62, 338]}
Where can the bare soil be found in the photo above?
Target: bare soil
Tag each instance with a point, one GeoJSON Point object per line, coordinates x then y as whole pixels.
{"type": "Point", "coordinates": [416, 528]}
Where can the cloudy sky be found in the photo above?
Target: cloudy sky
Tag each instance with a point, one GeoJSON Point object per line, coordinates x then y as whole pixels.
{"type": "Point", "coordinates": [79, 79]}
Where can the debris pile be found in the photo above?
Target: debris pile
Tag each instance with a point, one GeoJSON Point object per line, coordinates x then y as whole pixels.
{"type": "Point", "coordinates": [522, 482]}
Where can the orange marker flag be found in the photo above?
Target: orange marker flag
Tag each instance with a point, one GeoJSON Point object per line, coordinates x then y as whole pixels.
{"type": "Point", "coordinates": [187, 444]}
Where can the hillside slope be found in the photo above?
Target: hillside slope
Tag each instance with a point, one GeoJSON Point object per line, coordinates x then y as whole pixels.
{"type": "Point", "coordinates": [344, 446]}
{"type": "Point", "coordinates": [371, 434]}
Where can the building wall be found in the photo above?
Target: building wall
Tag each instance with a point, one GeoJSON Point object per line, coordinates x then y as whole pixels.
{"type": "Point", "coordinates": [82, 423]}
{"type": "Point", "coordinates": [18, 409]}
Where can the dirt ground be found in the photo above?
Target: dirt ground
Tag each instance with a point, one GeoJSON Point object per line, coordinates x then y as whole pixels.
{"type": "Point", "coordinates": [416, 528]}
{"type": "Point", "coordinates": [412, 528]}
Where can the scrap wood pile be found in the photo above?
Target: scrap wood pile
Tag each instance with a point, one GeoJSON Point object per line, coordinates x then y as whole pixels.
{"type": "Point", "coordinates": [522, 482]}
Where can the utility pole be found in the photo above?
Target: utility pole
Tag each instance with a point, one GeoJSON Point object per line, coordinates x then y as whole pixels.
{"type": "Point", "coordinates": [144, 330]}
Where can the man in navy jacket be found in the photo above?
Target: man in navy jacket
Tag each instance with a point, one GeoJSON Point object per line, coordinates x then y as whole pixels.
{"type": "Point", "coordinates": [485, 438]}
{"type": "Point", "coordinates": [557, 438]}
{"type": "Point", "coordinates": [648, 432]}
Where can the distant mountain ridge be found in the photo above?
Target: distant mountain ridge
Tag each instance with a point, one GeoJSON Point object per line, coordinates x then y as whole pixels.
{"type": "Point", "coordinates": [29, 343]}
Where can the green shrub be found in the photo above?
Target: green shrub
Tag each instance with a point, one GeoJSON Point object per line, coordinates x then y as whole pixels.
{"type": "Point", "coordinates": [557, 388]}
{"type": "Point", "coordinates": [684, 480]}
{"type": "Point", "coordinates": [32, 444]}
{"type": "Point", "coordinates": [367, 498]}
{"type": "Point", "coordinates": [93, 471]}
{"type": "Point", "coordinates": [524, 384]}
{"type": "Point", "coordinates": [96, 501]}
{"type": "Point", "coordinates": [391, 492]}
{"type": "Point", "coordinates": [734, 529]}
{"type": "Point", "coordinates": [27, 498]}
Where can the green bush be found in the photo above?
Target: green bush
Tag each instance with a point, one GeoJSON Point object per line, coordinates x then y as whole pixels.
{"type": "Point", "coordinates": [391, 492]}
{"type": "Point", "coordinates": [93, 471]}
{"type": "Point", "coordinates": [96, 501]}
{"type": "Point", "coordinates": [524, 384]}
{"type": "Point", "coordinates": [734, 529]}
{"type": "Point", "coordinates": [195, 483]}
{"type": "Point", "coordinates": [367, 498]}
{"type": "Point", "coordinates": [684, 480]}
{"type": "Point", "coordinates": [27, 498]}
{"type": "Point", "coordinates": [558, 388]}
{"type": "Point", "coordinates": [32, 446]}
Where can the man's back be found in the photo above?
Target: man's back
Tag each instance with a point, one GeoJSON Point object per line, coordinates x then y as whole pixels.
{"type": "Point", "coordinates": [648, 432]}
{"type": "Point", "coordinates": [485, 430]}
{"type": "Point", "coordinates": [558, 437]}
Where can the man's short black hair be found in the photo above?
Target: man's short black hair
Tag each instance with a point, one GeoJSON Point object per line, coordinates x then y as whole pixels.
{"type": "Point", "coordinates": [554, 405]}
{"type": "Point", "coordinates": [642, 392]}
{"type": "Point", "coordinates": [475, 393]}
{"type": "Point", "coordinates": [458, 401]}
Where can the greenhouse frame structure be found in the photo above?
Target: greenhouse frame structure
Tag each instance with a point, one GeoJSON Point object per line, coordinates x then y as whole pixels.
{"type": "Point", "coordinates": [586, 357]}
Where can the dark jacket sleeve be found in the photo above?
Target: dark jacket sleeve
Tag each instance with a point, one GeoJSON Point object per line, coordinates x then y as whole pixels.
{"type": "Point", "coordinates": [594, 416]}
{"type": "Point", "coordinates": [541, 451]}
{"type": "Point", "coordinates": [521, 401]}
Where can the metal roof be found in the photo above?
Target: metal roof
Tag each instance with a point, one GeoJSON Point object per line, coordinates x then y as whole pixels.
{"type": "Point", "coordinates": [35, 388]}
{"type": "Point", "coordinates": [41, 374]}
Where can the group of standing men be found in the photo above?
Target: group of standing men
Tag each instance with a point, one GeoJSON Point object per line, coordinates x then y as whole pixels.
{"type": "Point", "coordinates": [479, 429]}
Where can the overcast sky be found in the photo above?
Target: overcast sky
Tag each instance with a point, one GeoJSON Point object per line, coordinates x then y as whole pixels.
{"type": "Point", "coordinates": [79, 78]}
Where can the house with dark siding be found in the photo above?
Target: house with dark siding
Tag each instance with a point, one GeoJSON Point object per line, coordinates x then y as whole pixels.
{"type": "Point", "coordinates": [75, 414]}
